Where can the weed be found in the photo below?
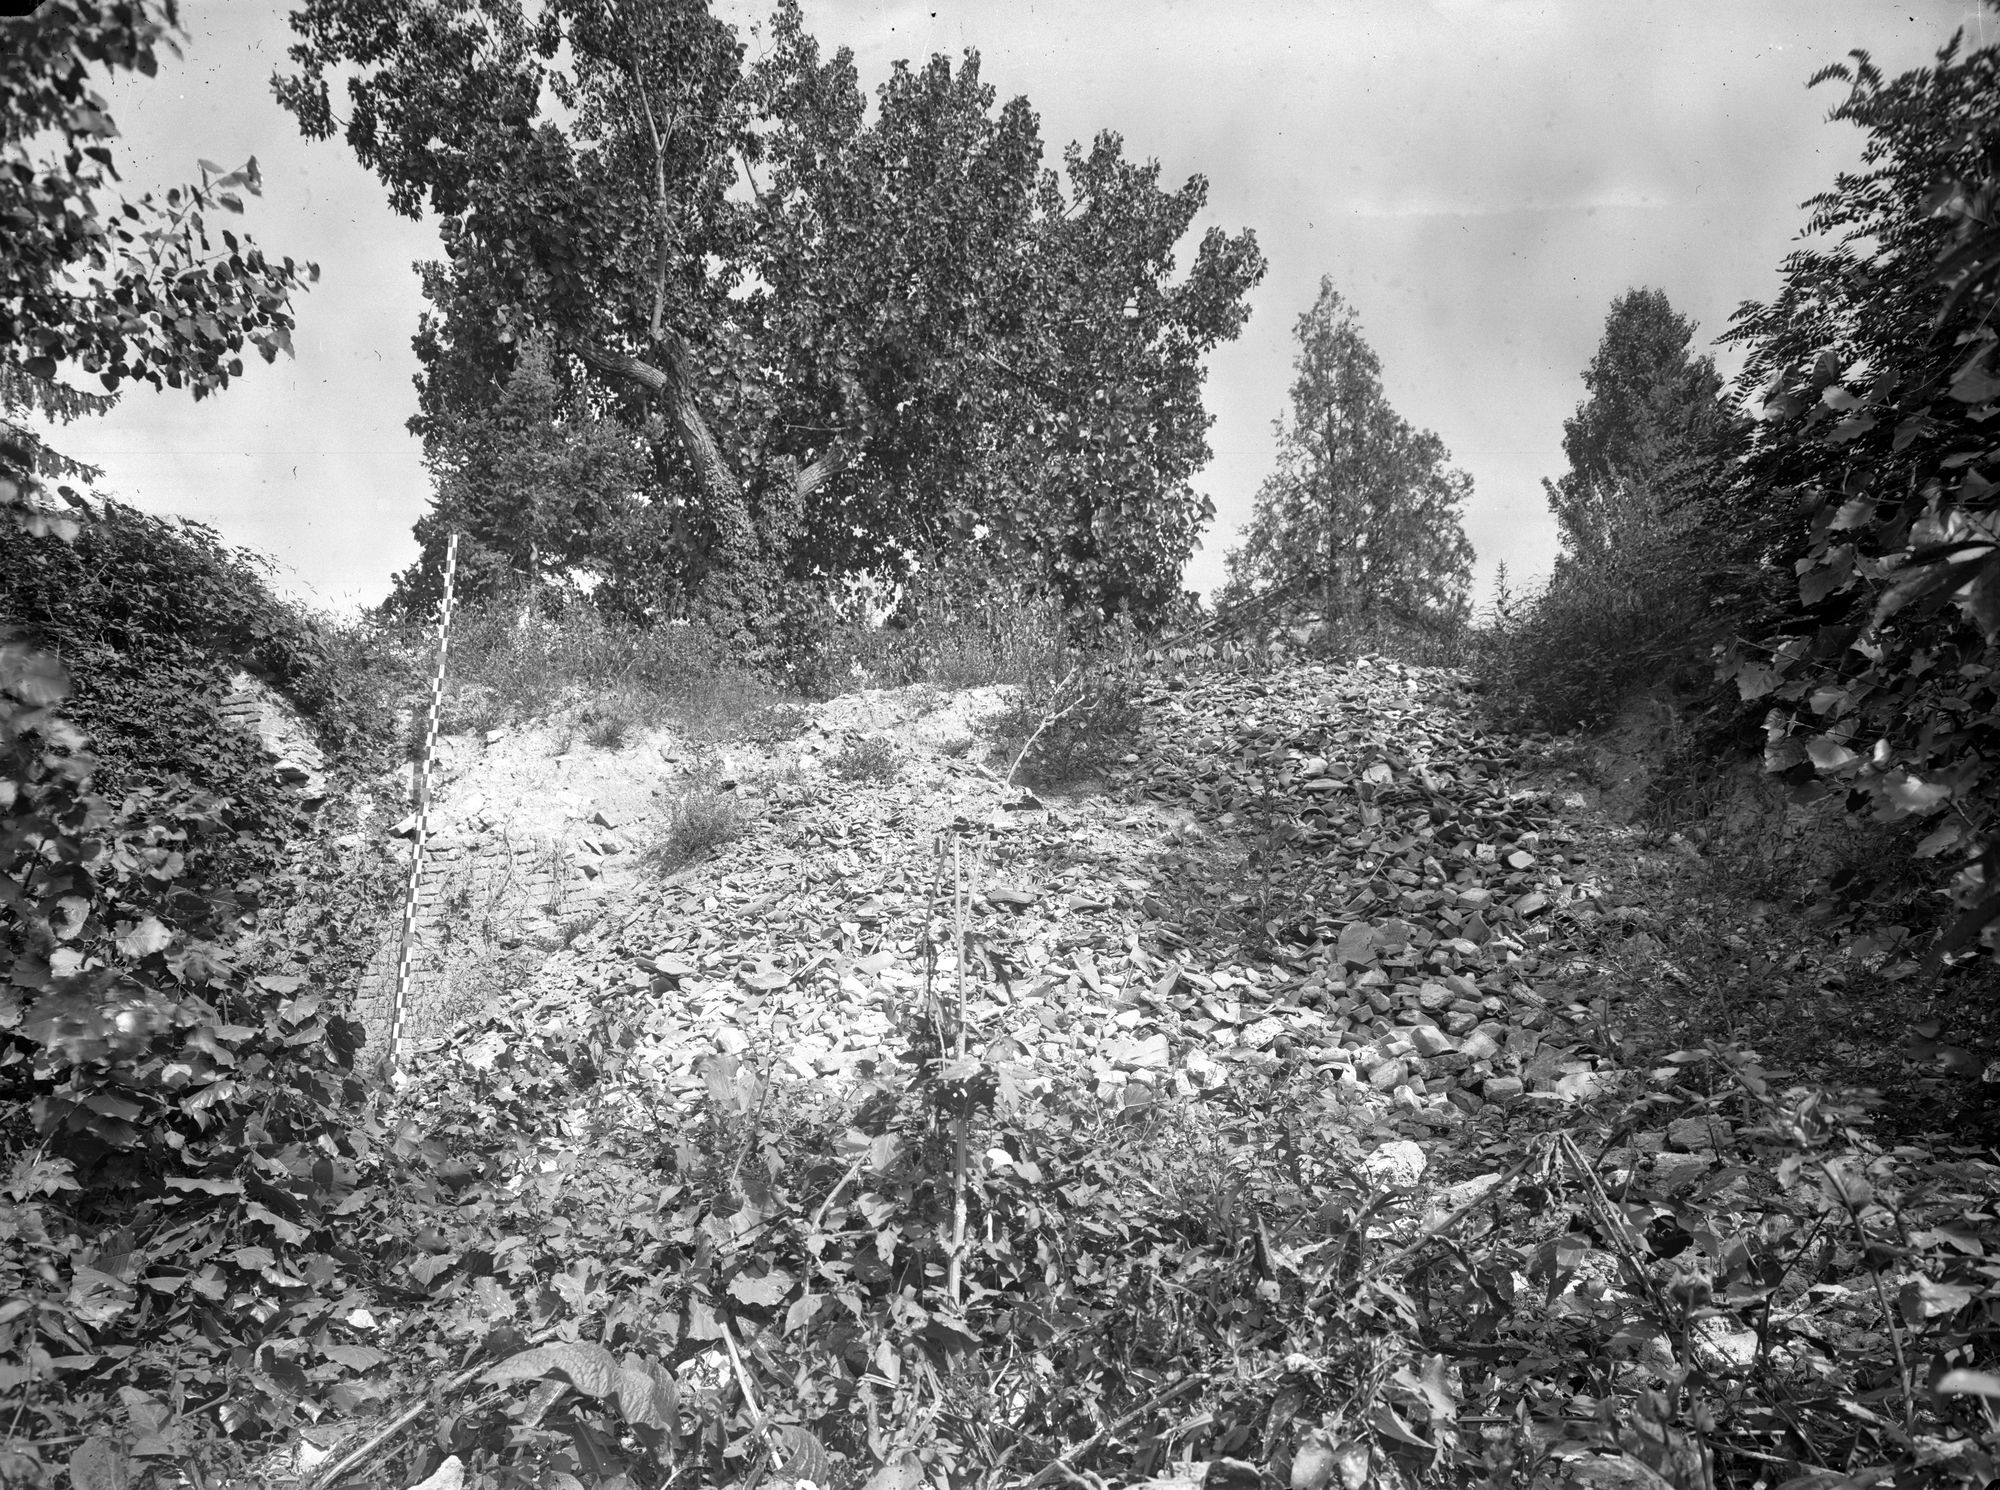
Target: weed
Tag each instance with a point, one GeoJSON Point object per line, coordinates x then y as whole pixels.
{"type": "Point", "coordinates": [774, 723]}
{"type": "Point", "coordinates": [1061, 731]}
{"type": "Point", "coordinates": [865, 758]}
{"type": "Point", "coordinates": [700, 819]}
{"type": "Point", "coordinates": [607, 727]}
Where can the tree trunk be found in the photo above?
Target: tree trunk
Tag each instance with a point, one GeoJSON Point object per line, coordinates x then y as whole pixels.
{"type": "Point", "coordinates": [671, 384]}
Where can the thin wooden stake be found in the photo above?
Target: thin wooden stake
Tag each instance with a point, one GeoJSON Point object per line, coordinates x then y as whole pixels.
{"type": "Point", "coordinates": [392, 1060]}
{"type": "Point", "coordinates": [955, 1268]}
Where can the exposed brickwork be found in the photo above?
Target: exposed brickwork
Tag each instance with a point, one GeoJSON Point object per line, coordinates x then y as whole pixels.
{"type": "Point", "coordinates": [490, 907]}
{"type": "Point", "coordinates": [258, 710]}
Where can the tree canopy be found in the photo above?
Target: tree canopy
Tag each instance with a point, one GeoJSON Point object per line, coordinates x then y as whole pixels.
{"type": "Point", "coordinates": [1361, 516]}
{"type": "Point", "coordinates": [93, 283]}
{"type": "Point", "coordinates": [851, 340]}
{"type": "Point", "coordinates": [538, 498]}
{"type": "Point", "coordinates": [1652, 412]}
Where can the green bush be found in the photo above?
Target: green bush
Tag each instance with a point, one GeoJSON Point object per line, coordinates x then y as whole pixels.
{"type": "Point", "coordinates": [1569, 654]}
{"type": "Point", "coordinates": [870, 758]}
{"type": "Point", "coordinates": [153, 618]}
{"type": "Point", "coordinates": [1060, 731]}
{"type": "Point", "coordinates": [700, 819]}
{"type": "Point", "coordinates": [148, 1066]}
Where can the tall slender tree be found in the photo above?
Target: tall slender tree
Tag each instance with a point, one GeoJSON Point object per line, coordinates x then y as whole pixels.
{"type": "Point", "coordinates": [1361, 518]}
{"type": "Point", "coordinates": [1652, 415]}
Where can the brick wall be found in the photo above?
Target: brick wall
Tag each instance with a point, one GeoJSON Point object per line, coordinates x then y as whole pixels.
{"type": "Point", "coordinates": [256, 709]}
{"type": "Point", "coordinates": [490, 908]}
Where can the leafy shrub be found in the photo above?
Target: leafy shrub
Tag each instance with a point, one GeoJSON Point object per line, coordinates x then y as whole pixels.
{"type": "Point", "coordinates": [162, 1097]}
{"type": "Point", "coordinates": [1569, 654]}
{"type": "Point", "coordinates": [1873, 661]}
{"type": "Point", "coordinates": [1058, 731]}
{"type": "Point", "coordinates": [776, 723]}
{"type": "Point", "coordinates": [153, 619]}
{"type": "Point", "coordinates": [701, 818]}
{"type": "Point", "coordinates": [865, 758]}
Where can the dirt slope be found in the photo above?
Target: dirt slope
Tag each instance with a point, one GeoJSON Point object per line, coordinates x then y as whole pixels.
{"type": "Point", "coordinates": [1323, 982]}
{"type": "Point", "coordinates": [1134, 937]}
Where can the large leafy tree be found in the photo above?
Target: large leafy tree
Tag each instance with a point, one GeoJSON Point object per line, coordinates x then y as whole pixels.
{"type": "Point", "coordinates": [1097, 471]}
{"type": "Point", "coordinates": [1871, 492]}
{"type": "Point", "coordinates": [541, 497]}
{"type": "Point", "coordinates": [1652, 412]}
{"type": "Point", "coordinates": [95, 284]}
{"type": "Point", "coordinates": [1361, 518]}
{"type": "Point", "coordinates": [837, 330]}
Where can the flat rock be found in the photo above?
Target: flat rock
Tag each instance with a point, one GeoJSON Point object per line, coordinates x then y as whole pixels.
{"type": "Point", "coordinates": [1397, 1164]}
{"type": "Point", "coordinates": [1147, 1052]}
{"type": "Point", "coordinates": [1691, 1133]}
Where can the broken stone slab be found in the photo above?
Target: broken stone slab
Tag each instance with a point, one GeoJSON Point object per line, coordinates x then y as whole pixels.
{"type": "Point", "coordinates": [1388, 1075]}
{"type": "Point", "coordinates": [1429, 1040]}
{"type": "Point", "coordinates": [1148, 1052]}
{"type": "Point", "coordinates": [1676, 1172]}
{"type": "Point", "coordinates": [1397, 1164]}
{"type": "Point", "coordinates": [1691, 1133]}
{"type": "Point", "coordinates": [1479, 1046]}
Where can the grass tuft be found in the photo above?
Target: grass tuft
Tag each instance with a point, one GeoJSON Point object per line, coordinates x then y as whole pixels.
{"type": "Point", "coordinates": [869, 758]}
{"type": "Point", "coordinates": [701, 818]}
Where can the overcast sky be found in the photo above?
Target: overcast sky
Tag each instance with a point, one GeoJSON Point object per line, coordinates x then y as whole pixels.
{"type": "Point", "coordinates": [1480, 178]}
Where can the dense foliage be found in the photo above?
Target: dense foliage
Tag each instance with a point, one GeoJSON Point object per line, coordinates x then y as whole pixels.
{"type": "Point", "coordinates": [542, 505]}
{"type": "Point", "coordinates": [851, 342]}
{"type": "Point", "coordinates": [1361, 517]}
{"type": "Point", "coordinates": [1632, 600]}
{"type": "Point", "coordinates": [125, 290]}
{"type": "Point", "coordinates": [1873, 472]}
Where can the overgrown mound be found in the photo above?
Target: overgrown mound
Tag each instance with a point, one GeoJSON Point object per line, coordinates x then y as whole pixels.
{"type": "Point", "coordinates": [153, 620]}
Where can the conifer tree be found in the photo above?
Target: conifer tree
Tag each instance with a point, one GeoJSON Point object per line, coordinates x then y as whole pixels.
{"type": "Point", "coordinates": [1360, 520]}
{"type": "Point", "coordinates": [1652, 417]}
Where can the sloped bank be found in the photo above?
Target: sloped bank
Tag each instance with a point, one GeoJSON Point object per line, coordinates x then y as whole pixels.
{"type": "Point", "coordinates": [1290, 1144]}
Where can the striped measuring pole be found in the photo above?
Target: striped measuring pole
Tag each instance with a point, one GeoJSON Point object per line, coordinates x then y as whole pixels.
{"type": "Point", "coordinates": [399, 998]}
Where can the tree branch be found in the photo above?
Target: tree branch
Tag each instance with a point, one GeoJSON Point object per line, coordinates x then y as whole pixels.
{"type": "Point", "coordinates": [697, 439]}
{"type": "Point", "coordinates": [823, 469]}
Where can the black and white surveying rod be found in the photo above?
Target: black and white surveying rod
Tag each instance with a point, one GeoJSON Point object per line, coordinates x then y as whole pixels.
{"type": "Point", "coordinates": [399, 998]}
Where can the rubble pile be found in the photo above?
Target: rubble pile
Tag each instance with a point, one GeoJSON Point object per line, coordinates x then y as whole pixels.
{"type": "Point", "coordinates": [1328, 865]}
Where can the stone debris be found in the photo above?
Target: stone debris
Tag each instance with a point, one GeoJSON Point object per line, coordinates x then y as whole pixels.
{"type": "Point", "coordinates": [1329, 867]}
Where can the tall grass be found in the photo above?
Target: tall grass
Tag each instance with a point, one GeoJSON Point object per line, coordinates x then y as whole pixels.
{"type": "Point", "coordinates": [996, 638]}
{"type": "Point", "coordinates": [507, 669]}
{"type": "Point", "coordinates": [610, 677]}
